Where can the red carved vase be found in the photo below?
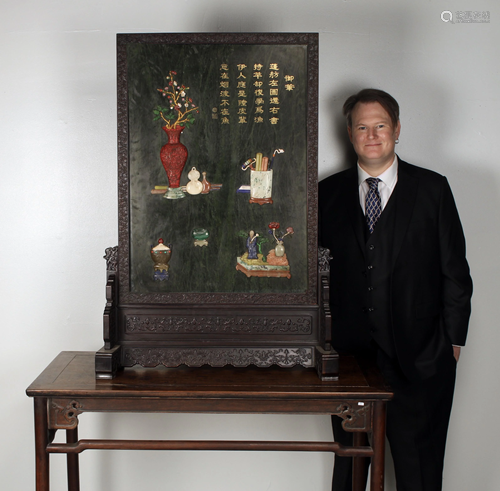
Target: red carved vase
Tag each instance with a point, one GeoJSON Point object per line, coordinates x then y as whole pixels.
{"type": "Point", "coordinates": [173, 157]}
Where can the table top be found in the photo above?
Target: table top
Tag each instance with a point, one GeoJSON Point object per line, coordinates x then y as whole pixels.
{"type": "Point", "coordinates": [72, 374]}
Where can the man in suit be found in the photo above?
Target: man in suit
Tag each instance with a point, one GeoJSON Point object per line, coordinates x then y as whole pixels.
{"type": "Point", "coordinates": [400, 287]}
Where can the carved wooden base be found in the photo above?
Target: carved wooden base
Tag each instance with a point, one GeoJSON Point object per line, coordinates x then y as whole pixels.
{"type": "Point", "coordinates": [218, 357]}
{"type": "Point", "coordinates": [235, 335]}
{"type": "Point", "coordinates": [107, 362]}
{"type": "Point", "coordinates": [327, 364]}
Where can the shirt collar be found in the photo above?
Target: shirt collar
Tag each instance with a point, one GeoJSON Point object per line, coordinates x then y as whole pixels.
{"type": "Point", "coordinates": [389, 177]}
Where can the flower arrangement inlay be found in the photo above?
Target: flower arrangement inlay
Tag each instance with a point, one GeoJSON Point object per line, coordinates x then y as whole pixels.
{"type": "Point", "coordinates": [180, 109]}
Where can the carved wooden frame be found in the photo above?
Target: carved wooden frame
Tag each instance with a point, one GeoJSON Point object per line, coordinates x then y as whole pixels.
{"type": "Point", "coordinates": [217, 328]}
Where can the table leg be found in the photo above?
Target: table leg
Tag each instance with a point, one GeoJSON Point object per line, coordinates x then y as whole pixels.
{"type": "Point", "coordinates": [41, 442]}
{"type": "Point", "coordinates": [360, 465]}
{"type": "Point", "coordinates": [72, 462]}
{"type": "Point", "coordinates": [378, 444]}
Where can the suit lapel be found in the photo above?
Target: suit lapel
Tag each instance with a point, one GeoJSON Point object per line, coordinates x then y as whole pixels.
{"type": "Point", "coordinates": [405, 202]}
{"type": "Point", "coordinates": [356, 217]}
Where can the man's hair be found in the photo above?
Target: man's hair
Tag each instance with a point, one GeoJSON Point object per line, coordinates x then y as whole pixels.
{"type": "Point", "coordinates": [372, 95]}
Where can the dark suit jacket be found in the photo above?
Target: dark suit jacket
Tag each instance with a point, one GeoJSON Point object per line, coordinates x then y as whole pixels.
{"type": "Point", "coordinates": [430, 286]}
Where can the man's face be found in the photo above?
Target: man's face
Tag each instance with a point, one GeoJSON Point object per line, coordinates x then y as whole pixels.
{"type": "Point", "coordinates": [373, 136]}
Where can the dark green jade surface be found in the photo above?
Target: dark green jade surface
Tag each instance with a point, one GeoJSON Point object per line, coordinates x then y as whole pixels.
{"type": "Point", "coordinates": [227, 131]}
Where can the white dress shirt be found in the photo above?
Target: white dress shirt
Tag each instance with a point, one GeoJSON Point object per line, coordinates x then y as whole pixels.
{"type": "Point", "coordinates": [388, 181]}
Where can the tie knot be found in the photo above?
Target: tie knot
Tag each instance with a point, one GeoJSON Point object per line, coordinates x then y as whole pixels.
{"type": "Point", "coordinates": [373, 182]}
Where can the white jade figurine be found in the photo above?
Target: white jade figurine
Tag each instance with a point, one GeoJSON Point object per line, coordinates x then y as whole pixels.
{"type": "Point", "coordinates": [194, 186]}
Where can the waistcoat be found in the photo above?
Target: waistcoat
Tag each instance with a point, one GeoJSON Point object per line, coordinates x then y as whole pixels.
{"type": "Point", "coordinates": [378, 256]}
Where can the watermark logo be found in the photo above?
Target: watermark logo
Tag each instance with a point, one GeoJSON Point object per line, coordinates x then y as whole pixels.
{"type": "Point", "coordinates": [466, 16]}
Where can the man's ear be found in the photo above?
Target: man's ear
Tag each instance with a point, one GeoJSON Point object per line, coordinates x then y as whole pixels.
{"type": "Point", "coordinates": [398, 130]}
{"type": "Point", "coordinates": [349, 132]}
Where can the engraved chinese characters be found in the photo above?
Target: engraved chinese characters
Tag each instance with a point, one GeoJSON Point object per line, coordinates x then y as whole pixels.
{"type": "Point", "coordinates": [257, 95]}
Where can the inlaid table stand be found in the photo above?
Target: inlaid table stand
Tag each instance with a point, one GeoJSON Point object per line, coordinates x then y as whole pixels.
{"type": "Point", "coordinates": [68, 388]}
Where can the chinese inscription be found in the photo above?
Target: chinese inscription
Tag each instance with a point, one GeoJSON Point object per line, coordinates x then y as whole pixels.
{"type": "Point", "coordinates": [252, 93]}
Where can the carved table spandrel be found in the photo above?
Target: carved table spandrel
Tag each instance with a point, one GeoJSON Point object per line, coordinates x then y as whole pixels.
{"type": "Point", "coordinates": [68, 388]}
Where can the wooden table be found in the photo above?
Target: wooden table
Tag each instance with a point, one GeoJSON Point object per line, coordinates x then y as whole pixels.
{"type": "Point", "coordinates": [68, 388]}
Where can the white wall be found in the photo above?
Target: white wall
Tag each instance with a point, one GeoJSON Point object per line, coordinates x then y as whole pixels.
{"type": "Point", "coordinates": [58, 205]}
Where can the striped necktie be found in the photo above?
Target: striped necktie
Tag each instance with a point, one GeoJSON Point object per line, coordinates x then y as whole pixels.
{"type": "Point", "coordinates": [373, 205]}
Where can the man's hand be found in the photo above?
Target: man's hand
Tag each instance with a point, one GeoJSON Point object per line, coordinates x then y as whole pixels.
{"type": "Point", "coordinates": [456, 352]}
